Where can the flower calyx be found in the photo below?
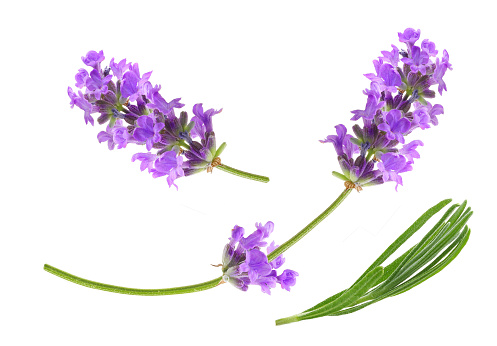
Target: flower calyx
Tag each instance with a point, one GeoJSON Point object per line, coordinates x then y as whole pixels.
{"type": "Point", "coordinates": [216, 162]}
{"type": "Point", "coordinates": [350, 185]}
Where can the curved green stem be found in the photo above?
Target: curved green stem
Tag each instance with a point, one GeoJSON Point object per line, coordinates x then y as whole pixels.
{"type": "Point", "coordinates": [285, 246]}
{"type": "Point", "coordinates": [243, 174]}
{"type": "Point", "coordinates": [133, 291]}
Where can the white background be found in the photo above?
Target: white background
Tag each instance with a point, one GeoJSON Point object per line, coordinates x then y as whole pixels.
{"type": "Point", "coordinates": [285, 74]}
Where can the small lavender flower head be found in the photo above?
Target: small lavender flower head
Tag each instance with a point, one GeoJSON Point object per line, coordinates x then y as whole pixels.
{"type": "Point", "coordinates": [244, 262]}
{"type": "Point", "coordinates": [135, 112]}
{"type": "Point", "coordinates": [397, 104]}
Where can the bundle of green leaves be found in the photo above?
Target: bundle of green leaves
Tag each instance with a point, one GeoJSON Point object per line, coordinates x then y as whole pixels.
{"type": "Point", "coordinates": [435, 251]}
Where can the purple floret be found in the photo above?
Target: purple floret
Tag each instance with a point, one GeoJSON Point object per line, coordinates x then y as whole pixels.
{"type": "Point", "coordinates": [133, 84]}
{"type": "Point", "coordinates": [203, 120]}
{"type": "Point", "coordinates": [81, 78]}
{"type": "Point", "coordinates": [395, 126]}
{"type": "Point", "coordinates": [82, 103]}
{"type": "Point", "coordinates": [409, 36]}
{"type": "Point", "coordinates": [119, 68]}
{"type": "Point", "coordinates": [93, 59]}
{"type": "Point", "coordinates": [287, 279]}
{"type": "Point", "coordinates": [147, 160]}
{"type": "Point", "coordinates": [419, 61]}
{"type": "Point", "coordinates": [391, 166]}
{"type": "Point", "coordinates": [148, 131]}
{"type": "Point", "coordinates": [372, 107]}
{"type": "Point", "coordinates": [169, 164]}
{"type": "Point", "coordinates": [96, 84]}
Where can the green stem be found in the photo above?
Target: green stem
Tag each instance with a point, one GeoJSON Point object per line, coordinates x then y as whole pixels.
{"type": "Point", "coordinates": [133, 291]}
{"type": "Point", "coordinates": [285, 246]}
{"type": "Point", "coordinates": [243, 174]}
{"type": "Point", "coordinates": [370, 153]}
{"type": "Point", "coordinates": [184, 145]}
{"type": "Point", "coordinates": [287, 320]}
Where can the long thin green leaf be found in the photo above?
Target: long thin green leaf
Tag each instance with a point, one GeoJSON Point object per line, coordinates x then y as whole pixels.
{"type": "Point", "coordinates": [458, 212]}
{"type": "Point", "coordinates": [348, 297]}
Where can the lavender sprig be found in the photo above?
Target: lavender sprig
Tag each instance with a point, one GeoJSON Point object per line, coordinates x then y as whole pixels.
{"type": "Point", "coordinates": [396, 106]}
{"type": "Point", "coordinates": [137, 113]}
{"type": "Point", "coordinates": [243, 264]}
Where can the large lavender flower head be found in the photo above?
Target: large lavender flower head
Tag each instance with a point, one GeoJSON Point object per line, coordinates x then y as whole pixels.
{"type": "Point", "coordinates": [244, 262]}
{"type": "Point", "coordinates": [397, 104]}
{"type": "Point", "coordinates": [181, 147]}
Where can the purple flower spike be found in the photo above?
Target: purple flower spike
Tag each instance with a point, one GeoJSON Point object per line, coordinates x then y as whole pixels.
{"type": "Point", "coordinates": [183, 147]}
{"type": "Point", "coordinates": [245, 265]}
{"type": "Point", "coordinates": [388, 117]}
{"type": "Point", "coordinates": [93, 59]}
